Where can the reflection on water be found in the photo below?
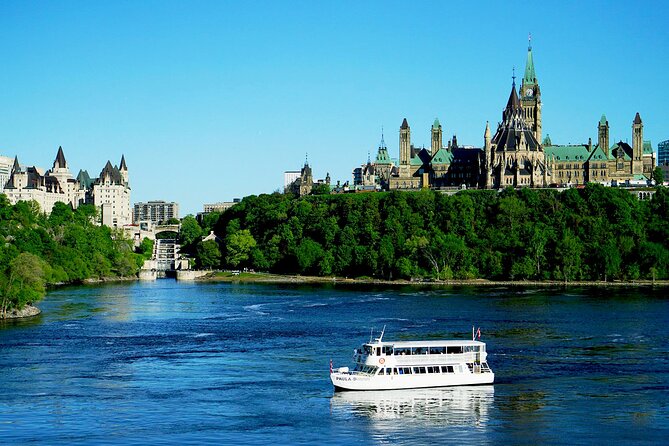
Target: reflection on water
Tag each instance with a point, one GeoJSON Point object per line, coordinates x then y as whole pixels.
{"type": "Point", "coordinates": [174, 363]}
{"type": "Point", "coordinates": [453, 406]}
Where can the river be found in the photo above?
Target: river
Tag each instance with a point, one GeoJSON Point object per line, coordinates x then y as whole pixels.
{"type": "Point", "coordinates": [182, 363]}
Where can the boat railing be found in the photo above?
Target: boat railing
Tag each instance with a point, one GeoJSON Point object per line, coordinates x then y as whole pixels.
{"type": "Point", "coordinates": [354, 372]}
{"type": "Point", "coordinates": [434, 359]}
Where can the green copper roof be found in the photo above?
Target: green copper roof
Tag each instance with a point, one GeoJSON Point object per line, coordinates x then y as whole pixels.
{"type": "Point", "coordinates": [547, 140]}
{"type": "Point", "coordinates": [598, 154]}
{"type": "Point", "coordinates": [647, 147]}
{"type": "Point", "coordinates": [530, 76]}
{"type": "Point", "coordinates": [436, 124]}
{"type": "Point", "coordinates": [567, 153]}
{"type": "Point", "coordinates": [442, 156]}
{"type": "Point", "coordinates": [416, 161]}
{"type": "Point", "coordinates": [603, 120]}
{"type": "Point", "coordinates": [382, 157]}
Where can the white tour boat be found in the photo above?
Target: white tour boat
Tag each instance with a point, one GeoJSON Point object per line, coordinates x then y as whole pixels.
{"type": "Point", "coordinates": [383, 365]}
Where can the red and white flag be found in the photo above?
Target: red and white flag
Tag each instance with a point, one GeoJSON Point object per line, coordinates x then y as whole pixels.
{"type": "Point", "coordinates": [478, 333]}
{"type": "Point", "coordinates": [330, 365]}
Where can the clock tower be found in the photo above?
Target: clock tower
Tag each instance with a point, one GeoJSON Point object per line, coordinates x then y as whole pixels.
{"type": "Point", "coordinates": [530, 95]}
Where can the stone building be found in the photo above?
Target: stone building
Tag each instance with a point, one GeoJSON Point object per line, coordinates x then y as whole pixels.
{"type": "Point", "coordinates": [110, 193]}
{"type": "Point", "coordinates": [513, 156]}
{"type": "Point", "coordinates": [305, 183]}
{"type": "Point", "coordinates": [604, 163]}
{"type": "Point", "coordinates": [45, 188]}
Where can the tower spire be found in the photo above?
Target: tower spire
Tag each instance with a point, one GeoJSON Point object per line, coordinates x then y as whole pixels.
{"type": "Point", "coordinates": [530, 75]}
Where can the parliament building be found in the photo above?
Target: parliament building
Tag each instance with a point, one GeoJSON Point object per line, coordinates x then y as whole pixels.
{"type": "Point", "coordinates": [516, 155]}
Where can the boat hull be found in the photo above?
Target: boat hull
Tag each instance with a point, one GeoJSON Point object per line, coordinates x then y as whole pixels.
{"type": "Point", "coordinates": [352, 381]}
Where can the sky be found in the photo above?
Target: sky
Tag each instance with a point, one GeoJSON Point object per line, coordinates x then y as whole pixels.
{"type": "Point", "coordinates": [211, 101]}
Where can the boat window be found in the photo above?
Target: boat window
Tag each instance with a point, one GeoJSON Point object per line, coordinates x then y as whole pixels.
{"type": "Point", "coordinates": [405, 370]}
{"type": "Point", "coordinates": [454, 349]}
{"type": "Point", "coordinates": [437, 350]}
{"type": "Point", "coordinates": [368, 349]}
{"type": "Point", "coordinates": [387, 349]}
{"type": "Point", "coordinates": [382, 371]}
{"type": "Point", "coordinates": [395, 371]}
{"type": "Point", "coordinates": [433, 370]}
{"type": "Point", "coordinates": [419, 350]}
{"type": "Point", "coordinates": [421, 370]}
{"type": "Point", "coordinates": [378, 351]}
{"type": "Point", "coordinates": [402, 351]}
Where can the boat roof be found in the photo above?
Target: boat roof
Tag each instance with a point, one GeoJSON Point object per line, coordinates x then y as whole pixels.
{"type": "Point", "coordinates": [433, 343]}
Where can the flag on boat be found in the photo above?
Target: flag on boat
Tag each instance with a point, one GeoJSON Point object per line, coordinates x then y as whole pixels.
{"type": "Point", "coordinates": [478, 333]}
{"type": "Point", "coordinates": [330, 365]}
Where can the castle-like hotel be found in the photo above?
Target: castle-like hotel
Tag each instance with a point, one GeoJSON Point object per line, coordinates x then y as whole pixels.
{"type": "Point", "coordinates": [109, 193]}
{"type": "Point", "coordinates": [514, 156]}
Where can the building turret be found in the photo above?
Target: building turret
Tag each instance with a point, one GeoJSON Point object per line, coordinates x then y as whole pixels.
{"type": "Point", "coordinates": [530, 94]}
{"type": "Point", "coordinates": [487, 154]}
{"type": "Point", "coordinates": [59, 162]}
{"type": "Point", "coordinates": [405, 143]}
{"type": "Point", "coordinates": [637, 145]}
{"type": "Point", "coordinates": [603, 135]}
{"type": "Point", "coordinates": [436, 137]}
{"type": "Point", "coordinates": [123, 169]}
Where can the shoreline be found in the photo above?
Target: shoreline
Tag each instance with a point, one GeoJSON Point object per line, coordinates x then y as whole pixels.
{"type": "Point", "coordinates": [26, 312]}
{"type": "Point", "coordinates": [297, 279]}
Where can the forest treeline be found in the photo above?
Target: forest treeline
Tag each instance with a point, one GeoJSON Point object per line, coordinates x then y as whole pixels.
{"type": "Point", "coordinates": [593, 233]}
{"type": "Point", "coordinates": [64, 247]}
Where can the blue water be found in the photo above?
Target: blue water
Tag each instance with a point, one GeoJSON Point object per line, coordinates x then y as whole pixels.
{"type": "Point", "coordinates": [174, 363]}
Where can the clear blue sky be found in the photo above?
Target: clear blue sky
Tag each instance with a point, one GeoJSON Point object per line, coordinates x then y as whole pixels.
{"type": "Point", "coordinates": [214, 100]}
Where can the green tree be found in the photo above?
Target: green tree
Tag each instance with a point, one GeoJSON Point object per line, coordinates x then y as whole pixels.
{"type": "Point", "coordinates": [239, 245]}
{"type": "Point", "coordinates": [146, 248]}
{"type": "Point", "coordinates": [320, 189]}
{"type": "Point", "coordinates": [309, 253]}
{"type": "Point", "coordinates": [208, 254]}
{"type": "Point", "coordinates": [658, 175]}
{"type": "Point", "coordinates": [568, 251]}
{"type": "Point", "coordinates": [190, 231]}
{"type": "Point", "coordinates": [24, 284]}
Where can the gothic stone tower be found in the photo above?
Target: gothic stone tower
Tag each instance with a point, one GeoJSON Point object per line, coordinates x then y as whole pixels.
{"type": "Point", "coordinates": [530, 95]}
{"type": "Point", "coordinates": [436, 137]}
{"type": "Point", "coordinates": [515, 156]}
{"type": "Point", "coordinates": [487, 158]}
{"type": "Point", "coordinates": [637, 145]}
{"type": "Point", "coordinates": [405, 143]}
{"type": "Point", "coordinates": [603, 135]}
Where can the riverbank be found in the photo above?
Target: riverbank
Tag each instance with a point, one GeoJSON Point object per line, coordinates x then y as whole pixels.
{"type": "Point", "coordinates": [27, 311]}
{"type": "Point", "coordinates": [297, 279]}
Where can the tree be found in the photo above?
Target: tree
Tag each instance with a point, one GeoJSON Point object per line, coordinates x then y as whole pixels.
{"type": "Point", "coordinates": [146, 248]}
{"type": "Point", "coordinates": [239, 246]}
{"type": "Point", "coordinates": [190, 231]}
{"type": "Point", "coordinates": [309, 254]}
{"type": "Point", "coordinates": [208, 255]}
{"type": "Point", "coordinates": [320, 189]}
{"type": "Point", "coordinates": [658, 176]}
{"type": "Point", "coordinates": [24, 283]}
{"type": "Point", "coordinates": [568, 252]}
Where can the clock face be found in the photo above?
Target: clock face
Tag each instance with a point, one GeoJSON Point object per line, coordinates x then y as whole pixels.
{"type": "Point", "coordinates": [528, 92]}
